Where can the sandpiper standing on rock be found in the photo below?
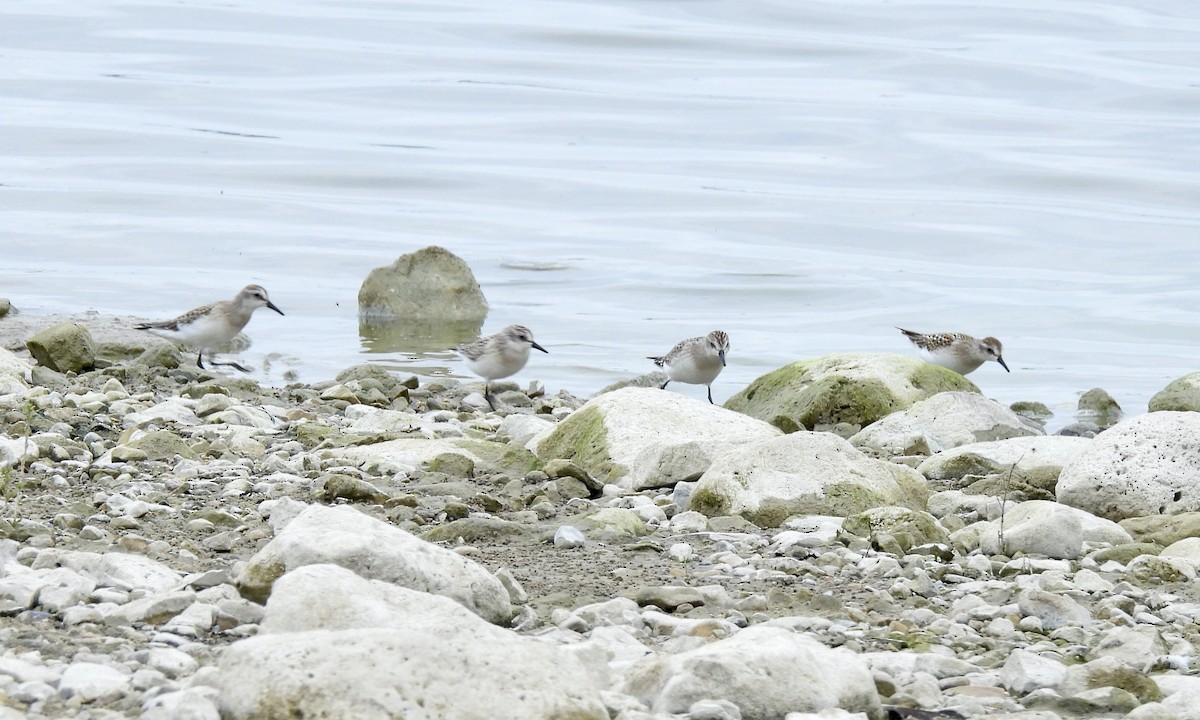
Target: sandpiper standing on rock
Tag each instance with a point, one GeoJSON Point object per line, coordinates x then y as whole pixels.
{"type": "Point", "coordinates": [697, 361]}
{"type": "Point", "coordinates": [498, 356]}
{"type": "Point", "coordinates": [956, 351]}
{"type": "Point", "coordinates": [211, 327]}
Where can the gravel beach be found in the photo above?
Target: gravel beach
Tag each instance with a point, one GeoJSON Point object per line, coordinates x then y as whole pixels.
{"type": "Point", "coordinates": [180, 543]}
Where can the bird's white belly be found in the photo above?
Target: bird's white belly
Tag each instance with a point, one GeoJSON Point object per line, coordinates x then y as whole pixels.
{"type": "Point", "coordinates": [694, 372]}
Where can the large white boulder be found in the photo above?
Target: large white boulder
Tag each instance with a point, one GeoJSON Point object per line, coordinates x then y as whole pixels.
{"type": "Point", "coordinates": [644, 438]}
{"type": "Point", "coordinates": [766, 671]}
{"type": "Point", "coordinates": [375, 550]}
{"type": "Point", "coordinates": [1036, 527]}
{"type": "Point", "coordinates": [1032, 460]}
{"type": "Point", "coordinates": [946, 420]}
{"type": "Point", "coordinates": [427, 670]}
{"type": "Point", "coordinates": [1148, 465]}
{"type": "Point", "coordinates": [804, 473]}
{"type": "Point", "coordinates": [13, 373]}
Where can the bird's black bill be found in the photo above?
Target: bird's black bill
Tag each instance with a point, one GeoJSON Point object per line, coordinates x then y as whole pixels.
{"type": "Point", "coordinates": [539, 347]}
{"type": "Point", "coordinates": [1002, 363]}
{"type": "Point", "coordinates": [272, 306]}
{"type": "Point", "coordinates": [722, 355]}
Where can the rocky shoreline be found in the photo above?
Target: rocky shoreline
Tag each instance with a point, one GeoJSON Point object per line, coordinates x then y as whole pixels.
{"type": "Point", "coordinates": [851, 537]}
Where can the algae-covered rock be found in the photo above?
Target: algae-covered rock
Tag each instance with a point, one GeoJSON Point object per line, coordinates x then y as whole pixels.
{"type": "Point", "coordinates": [1097, 406]}
{"type": "Point", "coordinates": [162, 445]}
{"type": "Point", "coordinates": [426, 300]}
{"type": "Point", "coordinates": [1034, 460]}
{"type": "Point", "coordinates": [431, 283]}
{"type": "Point", "coordinates": [65, 347]}
{"type": "Point", "coordinates": [905, 527]}
{"type": "Point", "coordinates": [805, 473]}
{"type": "Point", "coordinates": [853, 388]}
{"type": "Point", "coordinates": [1180, 394]}
{"type": "Point", "coordinates": [406, 452]}
{"type": "Point", "coordinates": [647, 438]}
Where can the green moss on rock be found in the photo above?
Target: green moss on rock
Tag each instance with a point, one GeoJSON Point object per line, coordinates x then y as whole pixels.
{"type": "Point", "coordinates": [854, 389]}
{"type": "Point", "coordinates": [583, 439]}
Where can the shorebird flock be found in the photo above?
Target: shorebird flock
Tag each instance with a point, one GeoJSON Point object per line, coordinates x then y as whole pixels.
{"type": "Point", "coordinates": [695, 361]}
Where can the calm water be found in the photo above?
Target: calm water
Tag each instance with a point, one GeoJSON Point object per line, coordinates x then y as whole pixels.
{"type": "Point", "coordinates": [624, 174]}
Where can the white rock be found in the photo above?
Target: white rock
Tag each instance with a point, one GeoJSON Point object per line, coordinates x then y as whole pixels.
{"type": "Point", "coordinates": [1143, 466]}
{"type": "Point", "coordinates": [1035, 460]}
{"type": "Point", "coordinates": [745, 670]}
{"type": "Point", "coordinates": [804, 473]}
{"type": "Point", "coordinates": [123, 571]}
{"type": "Point", "coordinates": [946, 420]}
{"type": "Point", "coordinates": [520, 428]}
{"type": "Point", "coordinates": [1055, 611]}
{"type": "Point", "coordinates": [453, 666]}
{"type": "Point", "coordinates": [688, 521]}
{"type": "Point", "coordinates": [647, 438]}
{"type": "Point", "coordinates": [568, 536]}
{"type": "Point", "coordinates": [89, 681]}
{"type": "Point", "coordinates": [198, 703]}
{"type": "Point", "coordinates": [415, 452]}
{"type": "Point", "coordinates": [14, 451]}
{"type": "Point", "coordinates": [174, 410]}
{"type": "Point", "coordinates": [375, 550]}
{"type": "Point", "coordinates": [1136, 646]}
{"type": "Point", "coordinates": [1186, 549]}
{"type": "Point", "coordinates": [1024, 672]}
{"type": "Point", "coordinates": [1036, 527]}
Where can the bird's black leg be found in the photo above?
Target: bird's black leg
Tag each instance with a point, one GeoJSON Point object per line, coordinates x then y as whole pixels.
{"type": "Point", "coordinates": [200, 360]}
{"type": "Point", "coordinates": [487, 395]}
{"type": "Point", "coordinates": [664, 385]}
{"type": "Point", "coordinates": [214, 363]}
{"type": "Point", "coordinates": [710, 400]}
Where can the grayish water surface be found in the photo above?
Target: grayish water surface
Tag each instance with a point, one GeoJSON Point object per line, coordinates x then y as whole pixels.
{"type": "Point", "coordinates": [624, 174]}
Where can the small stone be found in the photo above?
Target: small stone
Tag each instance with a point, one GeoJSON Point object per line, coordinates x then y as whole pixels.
{"type": "Point", "coordinates": [568, 536]}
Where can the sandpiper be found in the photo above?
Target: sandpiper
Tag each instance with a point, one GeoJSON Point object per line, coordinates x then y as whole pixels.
{"type": "Point", "coordinates": [956, 351]}
{"type": "Point", "coordinates": [697, 360]}
{"type": "Point", "coordinates": [211, 327]}
{"type": "Point", "coordinates": [498, 356]}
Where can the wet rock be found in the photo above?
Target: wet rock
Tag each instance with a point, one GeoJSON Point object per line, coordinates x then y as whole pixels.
{"type": "Point", "coordinates": [942, 422]}
{"type": "Point", "coordinates": [65, 347]}
{"type": "Point", "coordinates": [430, 284]}
{"type": "Point", "coordinates": [1143, 466]}
{"type": "Point", "coordinates": [803, 473]}
{"type": "Point", "coordinates": [375, 550]}
{"type": "Point", "coordinates": [647, 438]}
{"type": "Point", "coordinates": [1097, 406]}
{"type": "Point", "coordinates": [857, 389]}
